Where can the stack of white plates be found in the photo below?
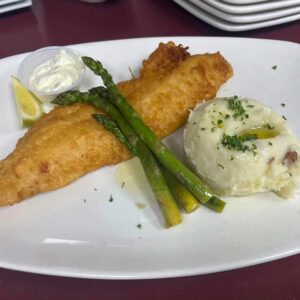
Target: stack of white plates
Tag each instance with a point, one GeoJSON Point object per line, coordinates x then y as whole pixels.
{"type": "Point", "coordinates": [240, 15]}
{"type": "Point", "coordinates": [9, 5]}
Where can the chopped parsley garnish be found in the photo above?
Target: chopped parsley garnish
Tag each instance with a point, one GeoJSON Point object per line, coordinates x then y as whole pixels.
{"type": "Point", "coordinates": [220, 123]}
{"type": "Point", "coordinates": [95, 189]}
{"type": "Point", "coordinates": [283, 117]}
{"type": "Point", "coordinates": [221, 166]}
{"type": "Point", "coordinates": [282, 104]}
{"type": "Point", "coordinates": [131, 73]}
{"type": "Point", "coordinates": [236, 106]}
{"type": "Point", "coordinates": [227, 116]}
{"type": "Point", "coordinates": [202, 128]}
{"type": "Point", "coordinates": [111, 199]}
{"type": "Point", "coordinates": [270, 143]}
{"type": "Point", "coordinates": [274, 67]}
{"type": "Point", "coordinates": [139, 226]}
{"type": "Point", "coordinates": [231, 157]}
{"type": "Point", "coordinates": [250, 105]}
{"type": "Point", "coordinates": [291, 174]}
{"type": "Point", "coordinates": [123, 183]}
{"type": "Point", "coordinates": [268, 126]}
{"type": "Point", "coordinates": [237, 143]}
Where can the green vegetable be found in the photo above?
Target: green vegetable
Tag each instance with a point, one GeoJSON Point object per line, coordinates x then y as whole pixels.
{"type": "Point", "coordinates": [156, 180]}
{"type": "Point", "coordinates": [192, 182]}
{"type": "Point", "coordinates": [126, 134]}
{"type": "Point", "coordinates": [184, 198]}
{"type": "Point", "coordinates": [93, 97]}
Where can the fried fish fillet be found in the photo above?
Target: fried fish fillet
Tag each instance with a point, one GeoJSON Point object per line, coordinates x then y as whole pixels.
{"type": "Point", "coordinates": [67, 143]}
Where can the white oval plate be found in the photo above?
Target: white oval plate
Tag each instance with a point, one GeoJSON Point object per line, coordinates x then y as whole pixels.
{"type": "Point", "coordinates": [76, 231]}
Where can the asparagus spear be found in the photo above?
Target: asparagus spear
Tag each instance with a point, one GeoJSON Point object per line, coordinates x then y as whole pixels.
{"type": "Point", "coordinates": [167, 203]}
{"type": "Point", "coordinates": [183, 197]}
{"type": "Point", "coordinates": [164, 155]}
{"type": "Point", "coordinates": [93, 97]}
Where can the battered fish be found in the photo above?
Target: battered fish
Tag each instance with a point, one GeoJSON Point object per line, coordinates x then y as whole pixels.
{"type": "Point", "coordinates": [67, 143]}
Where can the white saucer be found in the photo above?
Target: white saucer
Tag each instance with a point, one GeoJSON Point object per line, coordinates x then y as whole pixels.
{"type": "Point", "coordinates": [229, 26]}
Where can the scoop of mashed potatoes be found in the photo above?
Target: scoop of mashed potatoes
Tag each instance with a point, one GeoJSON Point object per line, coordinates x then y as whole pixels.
{"type": "Point", "coordinates": [240, 147]}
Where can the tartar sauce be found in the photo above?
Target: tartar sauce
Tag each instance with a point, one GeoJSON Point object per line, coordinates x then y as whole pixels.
{"type": "Point", "coordinates": [56, 74]}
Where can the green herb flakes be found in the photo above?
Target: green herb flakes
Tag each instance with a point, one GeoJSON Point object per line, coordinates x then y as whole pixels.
{"type": "Point", "coordinates": [111, 199]}
{"type": "Point", "coordinates": [220, 123]}
{"type": "Point", "coordinates": [221, 166]}
{"type": "Point", "coordinates": [139, 226]}
{"type": "Point", "coordinates": [238, 143]}
{"type": "Point", "coordinates": [268, 126]}
{"type": "Point", "coordinates": [235, 105]}
{"type": "Point", "coordinates": [274, 67]}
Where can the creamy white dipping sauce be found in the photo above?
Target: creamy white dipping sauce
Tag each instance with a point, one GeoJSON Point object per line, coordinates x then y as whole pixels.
{"type": "Point", "coordinates": [56, 74]}
{"type": "Point", "coordinates": [240, 147]}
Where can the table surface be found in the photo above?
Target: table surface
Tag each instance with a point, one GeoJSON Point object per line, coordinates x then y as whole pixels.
{"type": "Point", "coordinates": [63, 22]}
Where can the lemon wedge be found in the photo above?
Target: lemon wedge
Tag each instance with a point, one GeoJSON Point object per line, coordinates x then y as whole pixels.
{"type": "Point", "coordinates": [28, 105]}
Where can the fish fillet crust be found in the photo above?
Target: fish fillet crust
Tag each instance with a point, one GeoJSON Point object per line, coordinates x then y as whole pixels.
{"type": "Point", "coordinates": [67, 143]}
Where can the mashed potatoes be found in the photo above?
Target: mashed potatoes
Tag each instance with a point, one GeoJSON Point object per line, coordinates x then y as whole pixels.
{"type": "Point", "coordinates": [240, 147]}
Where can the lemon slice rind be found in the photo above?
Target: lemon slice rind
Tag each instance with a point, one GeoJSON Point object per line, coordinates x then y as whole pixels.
{"type": "Point", "coordinates": [28, 106]}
